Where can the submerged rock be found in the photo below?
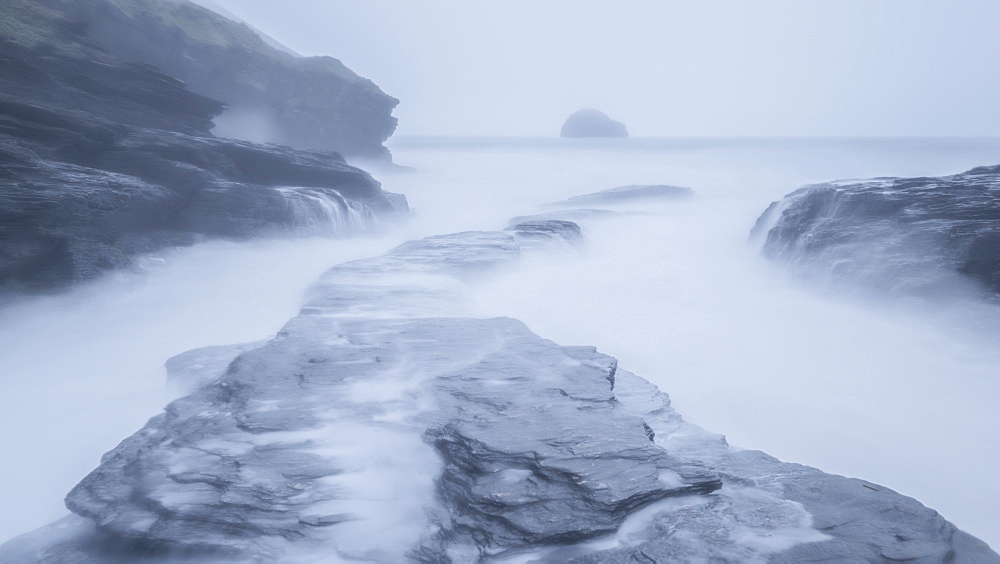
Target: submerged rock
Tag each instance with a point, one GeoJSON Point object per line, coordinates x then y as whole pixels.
{"type": "Point", "coordinates": [102, 160]}
{"type": "Point", "coordinates": [385, 424]}
{"type": "Point", "coordinates": [902, 235]}
{"type": "Point", "coordinates": [627, 194]}
{"type": "Point", "coordinates": [589, 122]}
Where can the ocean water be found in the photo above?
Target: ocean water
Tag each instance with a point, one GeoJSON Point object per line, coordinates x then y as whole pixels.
{"type": "Point", "coordinates": [889, 390]}
{"type": "Point", "coordinates": [883, 388]}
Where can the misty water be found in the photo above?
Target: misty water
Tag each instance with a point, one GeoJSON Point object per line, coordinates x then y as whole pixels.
{"type": "Point", "coordinates": [892, 390]}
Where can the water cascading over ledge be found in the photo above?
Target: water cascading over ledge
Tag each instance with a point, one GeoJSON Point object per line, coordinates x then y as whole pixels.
{"type": "Point", "coordinates": [326, 213]}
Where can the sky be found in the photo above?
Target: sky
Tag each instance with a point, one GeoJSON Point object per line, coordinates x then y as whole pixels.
{"type": "Point", "coordinates": [664, 68]}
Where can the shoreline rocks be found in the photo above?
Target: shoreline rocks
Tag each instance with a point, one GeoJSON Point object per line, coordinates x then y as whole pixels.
{"type": "Point", "coordinates": [907, 236]}
{"type": "Point", "coordinates": [103, 160]}
{"type": "Point", "coordinates": [384, 423]}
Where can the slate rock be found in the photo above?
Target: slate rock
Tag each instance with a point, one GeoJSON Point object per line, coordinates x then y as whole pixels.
{"type": "Point", "coordinates": [384, 424]}
{"type": "Point", "coordinates": [912, 236]}
{"type": "Point", "coordinates": [306, 102]}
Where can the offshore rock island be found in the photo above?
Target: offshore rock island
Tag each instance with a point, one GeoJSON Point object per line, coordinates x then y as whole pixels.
{"type": "Point", "coordinates": [103, 159]}
{"type": "Point", "coordinates": [589, 122]}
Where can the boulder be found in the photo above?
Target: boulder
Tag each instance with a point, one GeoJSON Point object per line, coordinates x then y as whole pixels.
{"type": "Point", "coordinates": [589, 122]}
{"type": "Point", "coordinates": [914, 236]}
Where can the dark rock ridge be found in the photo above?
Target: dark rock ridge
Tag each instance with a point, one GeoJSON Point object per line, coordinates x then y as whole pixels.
{"type": "Point", "coordinates": [904, 235]}
{"type": "Point", "coordinates": [102, 160]}
{"type": "Point", "coordinates": [589, 122]}
{"type": "Point", "coordinates": [273, 95]}
{"type": "Point", "coordinates": [384, 424]}
{"type": "Point", "coordinates": [627, 194]}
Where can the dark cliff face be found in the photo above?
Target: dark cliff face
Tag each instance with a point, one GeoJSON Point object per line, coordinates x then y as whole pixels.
{"type": "Point", "coordinates": [103, 159]}
{"type": "Point", "coordinates": [905, 235]}
{"type": "Point", "coordinates": [306, 102]}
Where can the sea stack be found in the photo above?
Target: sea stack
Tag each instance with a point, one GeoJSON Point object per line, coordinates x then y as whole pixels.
{"type": "Point", "coordinates": [589, 122]}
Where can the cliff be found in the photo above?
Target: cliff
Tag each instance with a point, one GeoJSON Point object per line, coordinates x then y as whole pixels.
{"type": "Point", "coordinates": [104, 159]}
{"type": "Point", "coordinates": [305, 102]}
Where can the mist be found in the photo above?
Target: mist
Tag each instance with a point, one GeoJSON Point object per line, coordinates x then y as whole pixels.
{"type": "Point", "coordinates": [722, 67]}
{"type": "Point", "coordinates": [741, 102]}
{"type": "Point", "coordinates": [675, 290]}
{"type": "Point", "coordinates": [86, 369]}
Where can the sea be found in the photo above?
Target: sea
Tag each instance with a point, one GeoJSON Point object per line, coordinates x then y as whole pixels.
{"type": "Point", "coordinates": [895, 391]}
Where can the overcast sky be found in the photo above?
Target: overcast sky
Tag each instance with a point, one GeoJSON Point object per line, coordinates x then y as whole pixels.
{"type": "Point", "coordinates": [665, 68]}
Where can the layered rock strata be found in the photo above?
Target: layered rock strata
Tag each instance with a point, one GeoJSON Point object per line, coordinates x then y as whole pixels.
{"type": "Point", "coordinates": [102, 160]}
{"type": "Point", "coordinates": [384, 424]}
{"type": "Point", "coordinates": [904, 235]}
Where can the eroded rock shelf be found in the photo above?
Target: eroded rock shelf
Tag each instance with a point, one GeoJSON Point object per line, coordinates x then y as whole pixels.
{"type": "Point", "coordinates": [383, 423]}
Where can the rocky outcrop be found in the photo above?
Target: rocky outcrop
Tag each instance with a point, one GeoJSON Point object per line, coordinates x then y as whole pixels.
{"type": "Point", "coordinates": [903, 235]}
{"type": "Point", "coordinates": [272, 95]}
{"type": "Point", "coordinates": [589, 122]}
{"type": "Point", "coordinates": [102, 160]}
{"type": "Point", "coordinates": [627, 194]}
{"type": "Point", "coordinates": [384, 424]}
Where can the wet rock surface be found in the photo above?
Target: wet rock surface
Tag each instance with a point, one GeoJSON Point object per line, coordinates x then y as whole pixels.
{"type": "Point", "coordinates": [905, 235]}
{"type": "Point", "coordinates": [589, 122]}
{"type": "Point", "coordinates": [774, 510]}
{"type": "Point", "coordinates": [385, 424]}
{"type": "Point", "coordinates": [272, 95]}
{"type": "Point", "coordinates": [102, 160]}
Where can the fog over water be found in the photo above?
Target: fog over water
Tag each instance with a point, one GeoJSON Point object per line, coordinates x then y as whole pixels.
{"type": "Point", "coordinates": [664, 68]}
{"type": "Point", "coordinates": [893, 391]}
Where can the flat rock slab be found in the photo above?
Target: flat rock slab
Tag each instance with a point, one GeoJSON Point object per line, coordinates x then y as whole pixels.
{"type": "Point", "coordinates": [383, 424]}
